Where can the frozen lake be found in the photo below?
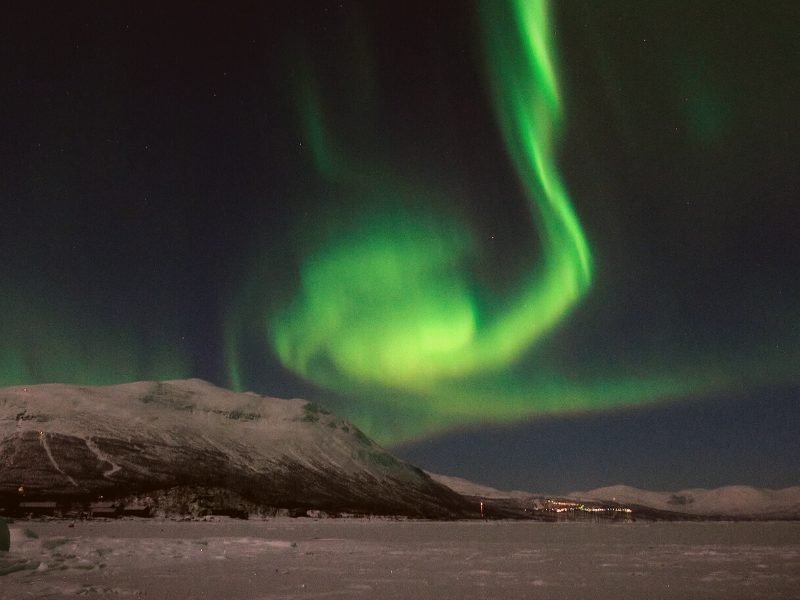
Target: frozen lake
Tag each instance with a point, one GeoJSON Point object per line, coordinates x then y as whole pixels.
{"type": "Point", "coordinates": [303, 558]}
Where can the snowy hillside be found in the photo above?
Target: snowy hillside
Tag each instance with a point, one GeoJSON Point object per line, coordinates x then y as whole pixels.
{"type": "Point", "coordinates": [470, 488]}
{"type": "Point", "coordinates": [63, 441]}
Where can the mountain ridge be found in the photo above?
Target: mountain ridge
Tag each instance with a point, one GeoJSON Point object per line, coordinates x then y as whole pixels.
{"type": "Point", "coordinates": [63, 442]}
{"type": "Point", "coordinates": [729, 500]}
{"type": "Point", "coordinates": [187, 446]}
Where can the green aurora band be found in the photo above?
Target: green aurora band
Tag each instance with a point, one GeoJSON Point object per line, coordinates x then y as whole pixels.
{"type": "Point", "coordinates": [388, 303]}
{"type": "Point", "coordinates": [382, 295]}
{"type": "Point", "coordinates": [386, 312]}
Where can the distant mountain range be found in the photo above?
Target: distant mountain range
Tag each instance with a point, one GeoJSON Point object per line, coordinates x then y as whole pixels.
{"type": "Point", "coordinates": [738, 501]}
{"type": "Point", "coordinates": [734, 501]}
{"type": "Point", "coordinates": [189, 448]}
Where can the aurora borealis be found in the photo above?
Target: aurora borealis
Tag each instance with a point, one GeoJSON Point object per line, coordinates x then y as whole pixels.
{"type": "Point", "coordinates": [436, 220]}
{"type": "Point", "coordinates": [388, 300]}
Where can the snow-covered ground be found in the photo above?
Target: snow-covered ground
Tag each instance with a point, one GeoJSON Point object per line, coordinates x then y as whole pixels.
{"type": "Point", "coordinates": [303, 558]}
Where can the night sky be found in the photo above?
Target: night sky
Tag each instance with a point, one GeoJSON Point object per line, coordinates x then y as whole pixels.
{"type": "Point", "coordinates": [542, 247]}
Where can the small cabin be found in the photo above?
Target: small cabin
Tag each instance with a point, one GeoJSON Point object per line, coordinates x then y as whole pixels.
{"type": "Point", "coordinates": [136, 510]}
{"type": "Point", "coordinates": [104, 510]}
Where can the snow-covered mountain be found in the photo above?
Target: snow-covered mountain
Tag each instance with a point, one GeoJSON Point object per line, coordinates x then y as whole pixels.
{"type": "Point", "coordinates": [62, 441]}
{"type": "Point", "coordinates": [733, 500]}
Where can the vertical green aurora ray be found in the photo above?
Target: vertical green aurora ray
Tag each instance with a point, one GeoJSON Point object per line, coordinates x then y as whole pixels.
{"type": "Point", "coordinates": [523, 74]}
{"type": "Point", "coordinates": [386, 300]}
{"type": "Point", "coordinates": [44, 343]}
